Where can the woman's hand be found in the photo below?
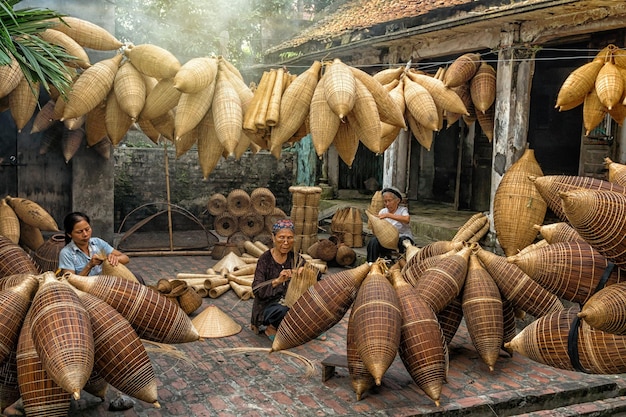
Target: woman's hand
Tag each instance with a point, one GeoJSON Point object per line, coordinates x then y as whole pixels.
{"type": "Point", "coordinates": [113, 259]}
{"type": "Point", "coordinates": [95, 260]}
{"type": "Point", "coordinates": [284, 276]}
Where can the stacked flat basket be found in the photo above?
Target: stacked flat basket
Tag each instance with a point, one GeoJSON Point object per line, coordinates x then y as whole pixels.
{"type": "Point", "coordinates": [304, 212]}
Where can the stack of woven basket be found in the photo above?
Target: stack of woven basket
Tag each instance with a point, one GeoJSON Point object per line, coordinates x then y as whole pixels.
{"type": "Point", "coordinates": [347, 224]}
{"type": "Point", "coordinates": [304, 211]}
{"type": "Point", "coordinates": [242, 217]}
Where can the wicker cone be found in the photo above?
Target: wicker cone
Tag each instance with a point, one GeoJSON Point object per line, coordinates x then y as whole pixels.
{"type": "Point", "coordinates": [41, 395]}
{"type": "Point", "coordinates": [346, 143]}
{"type": "Point", "coordinates": [420, 105]}
{"type": "Point", "coordinates": [230, 261]}
{"type": "Point", "coordinates": [300, 283]}
{"type": "Point", "coordinates": [130, 90]}
{"type": "Point", "coordinates": [227, 114]}
{"type": "Point", "coordinates": [570, 270]}
{"type": "Point", "coordinates": [422, 345]}
{"type": "Point", "coordinates": [579, 83]}
{"type": "Point", "coordinates": [389, 75]}
{"type": "Point", "coordinates": [120, 357]}
{"type": "Point", "coordinates": [47, 256]}
{"type": "Point", "coordinates": [360, 378]}
{"type": "Point", "coordinates": [377, 320]}
{"type": "Point", "coordinates": [214, 323]}
{"type": "Point", "coordinates": [14, 260]}
{"type": "Point", "coordinates": [87, 34]}
{"type": "Point", "coordinates": [210, 149]}
{"type": "Point", "coordinates": [191, 109]}
{"type": "Point", "coordinates": [324, 123]}
{"type": "Point", "coordinates": [472, 226]}
{"type": "Point", "coordinates": [244, 281]}
{"type": "Point", "coordinates": [598, 217]}
{"type": "Point", "coordinates": [365, 120]}
{"type": "Point", "coordinates": [225, 224]}
{"type": "Point", "coordinates": [388, 110]}
{"type": "Point", "coordinates": [517, 287]}
{"type": "Point", "coordinates": [483, 87]}
{"type": "Point", "coordinates": [263, 201]}
{"type": "Point", "coordinates": [14, 304]}
{"type": "Point", "coordinates": [518, 206]}
{"type": "Point", "coordinates": [23, 102]}
{"type": "Point", "coordinates": [558, 232]}
{"type": "Point", "coordinates": [251, 224]}
{"type": "Point", "coordinates": [153, 61]}
{"type": "Point", "coordinates": [261, 245]}
{"type": "Point", "coordinates": [161, 99]}
{"type": "Point", "coordinates": [244, 292]}
{"type": "Point", "coordinates": [450, 319]}
{"type": "Point", "coordinates": [593, 111]}
{"type": "Point", "coordinates": [252, 249]}
{"type": "Point", "coordinates": [152, 315]}
{"type": "Point", "coordinates": [609, 85]}
{"type": "Point", "coordinates": [386, 233]}
{"type": "Point", "coordinates": [30, 237]}
{"type": "Point", "coordinates": [537, 245]}
{"type": "Point", "coordinates": [440, 284]}
{"type": "Point", "coordinates": [309, 317]}
{"type": "Point", "coordinates": [9, 222]}
{"type": "Point", "coordinates": [482, 308]}
{"type": "Point", "coordinates": [66, 350]}
{"type": "Point", "coordinates": [340, 88]}
{"type": "Point", "coordinates": [461, 70]}
{"type": "Point", "coordinates": [550, 187]}
{"type": "Point", "coordinates": [546, 341]}
{"type": "Point", "coordinates": [32, 213]}
{"type": "Point", "coordinates": [605, 310]}
{"type": "Point", "coordinates": [416, 266]}
{"type": "Point", "coordinates": [118, 270]}
{"type": "Point", "coordinates": [617, 172]}
{"type": "Point", "coordinates": [217, 291]}
{"type": "Point", "coordinates": [445, 98]}
{"type": "Point", "coordinates": [215, 281]}
{"type": "Point", "coordinates": [11, 76]}
{"type": "Point", "coordinates": [195, 75]}
{"type": "Point", "coordinates": [486, 121]}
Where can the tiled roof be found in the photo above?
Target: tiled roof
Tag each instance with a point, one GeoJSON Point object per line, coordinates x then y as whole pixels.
{"type": "Point", "coordinates": [361, 14]}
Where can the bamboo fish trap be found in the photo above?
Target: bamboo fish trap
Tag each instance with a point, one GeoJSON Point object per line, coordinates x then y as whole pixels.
{"type": "Point", "coordinates": [9, 392]}
{"type": "Point", "coordinates": [385, 232]}
{"type": "Point", "coordinates": [617, 171]}
{"type": "Point", "coordinates": [87, 34]}
{"type": "Point", "coordinates": [300, 282]}
{"type": "Point", "coordinates": [9, 223]}
{"type": "Point", "coordinates": [14, 304]}
{"type": "Point", "coordinates": [605, 310]}
{"type": "Point", "coordinates": [377, 321]}
{"type": "Point", "coordinates": [14, 260]}
{"type": "Point", "coordinates": [32, 213]}
{"type": "Point", "coordinates": [360, 378]}
{"type": "Point", "coordinates": [558, 232]}
{"type": "Point", "coordinates": [471, 227]}
{"type": "Point", "coordinates": [546, 341]}
{"type": "Point", "coordinates": [321, 307]}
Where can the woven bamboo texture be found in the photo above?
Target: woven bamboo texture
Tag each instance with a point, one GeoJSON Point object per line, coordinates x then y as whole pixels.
{"type": "Point", "coordinates": [195, 74]}
{"type": "Point", "coordinates": [23, 102]}
{"type": "Point", "coordinates": [189, 301]}
{"type": "Point", "coordinates": [225, 224]}
{"type": "Point", "coordinates": [227, 114]}
{"type": "Point", "coordinates": [509, 322]}
{"type": "Point", "coordinates": [191, 108]}
{"type": "Point", "coordinates": [210, 148]}
{"type": "Point", "coordinates": [420, 104]}
{"type": "Point", "coordinates": [120, 357]}
{"type": "Point", "coordinates": [41, 395]}
{"type": "Point", "coordinates": [422, 345]}
{"type": "Point", "coordinates": [319, 308]}
{"type": "Point", "coordinates": [300, 283]}
{"type": "Point", "coordinates": [62, 335]}
{"type": "Point", "coordinates": [9, 222]}
{"type": "Point", "coordinates": [87, 34]}
{"type": "Point", "coordinates": [161, 99]}
{"type": "Point", "coordinates": [483, 88]}
{"type": "Point", "coordinates": [482, 309]}
{"type": "Point", "coordinates": [32, 213]}
{"type": "Point", "coordinates": [151, 314]}
{"type": "Point", "coordinates": [9, 392]}
{"type": "Point", "coordinates": [365, 120]}
{"type": "Point", "coordinates": [605, 310]}
{"type": "Point", "coordinates": [609, 85]}
{"type": "Point", "coordinates": [415, 266]}
{"type": "Point", "coordinates": [593, 111]}
{"type": "Point", "coordinates": [440, 284]}
{"type": "Point", "coordinates": [450, 319]}
{"type": "Point", "coordinates": [599, 217]}
{"type": "Point", "coordinates": [345, 255]}
{"type": "Point", "coordinates": [11, 76]}
{"type": "Point", "coordinates": [346, 143]}
{"type": "Point", "coordinates": [217, 204]}
{"type": "Point", "coordinates": [546, 341]}
{"type": "Point", "coordinates": [251, 223]}
{"type": "Point", "coordinates": [377, 321]}
{"type": "Point", "coordinates": [570, 270]}
{"type": "Point", "coordinates": [153, 61]}
{"type": "Point", "coordinates": [324, 123]}
{"type": "Point", "coordinates": [580, 82]}
{"type": "Point", "coordinates": [559, 232]}
{"type": "Point", "coordinates": [461, 70]}
{"type": "Point", "coordinates": [517, 287]}
{"type": "Point", "coordinates": [14, 259]}
{"type": "Point", "coordinates": [14, 304]}
{"type": "Point", "coordinates": [437, 248]}
{"type": "Point", "coordinates": [17, 279]}
{"type": "Point", "coordinates": [339, 88]}
{"type": "Point", "coordinates": [549, 186]}
{"type": "Point", "coordinates": [385, 232]}
{"type": "Point", "coordinates": [263, 201]}
{"type": "Point", "coordinates": [96, 386]}
{"type": "Point", "coordinates": [471, 227]}
{"type": "Point", "coordinates": [518, 206]}
{"type": "Point", "coordinates": [47, 256]}
{"type": "Point", "coordinates": [388, 110]}
{"type": "Point", "coordinates": [130, 90]}
{"type": "Point", "coordinates": [360, 378]}
{"type": "Point", "coordinates": [44, 118]}
{"type": "Point", "coordinates": [238, 202]}
{"type": "Point", "coordinates": [214, 323]}
{"type": "Point", "coordinates": [617, 172]}
{"type": "Point", "coordinates": [445, 98]}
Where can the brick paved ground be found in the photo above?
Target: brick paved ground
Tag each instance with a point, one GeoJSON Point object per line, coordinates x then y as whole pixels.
{"type": "Point", "coordinates": [205, 379]}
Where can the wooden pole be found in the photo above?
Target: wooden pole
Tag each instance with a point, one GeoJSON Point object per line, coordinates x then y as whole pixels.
{"type": "Point", "coordinates": [167, 188]}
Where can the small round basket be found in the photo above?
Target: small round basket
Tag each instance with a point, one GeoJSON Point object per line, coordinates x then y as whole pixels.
{"type": "Point", "coordinates": [189, 300]}
{"type": "Point", "coordinates": [262, 201]}
{"type": "Point", "coordinates": [238, 202]}
{"type": "Point", "coordinates": [47, 255]}
{"type": "Point", "coordinates": [225, 224]}
{"type": "Point", "coordinates": [251, 224]}
{"type": "Point", "coordinates": [217, 204]}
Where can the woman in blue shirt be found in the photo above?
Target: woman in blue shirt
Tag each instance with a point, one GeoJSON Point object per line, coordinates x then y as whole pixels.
{"type": "Point", "coordinates": [83, 254]}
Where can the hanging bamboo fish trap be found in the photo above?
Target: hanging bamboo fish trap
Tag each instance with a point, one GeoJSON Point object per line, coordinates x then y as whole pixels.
{"type": "Point", "coordinates": [32, 213]}
{"type": "Point", "coordinates": [461, 70]}
{"type": "Point", "coordinates": [483, 88]}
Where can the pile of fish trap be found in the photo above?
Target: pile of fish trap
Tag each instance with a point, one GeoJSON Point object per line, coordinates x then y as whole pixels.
{"type": "Point", "coordinates": [22, 221]}
{"type": "Point", "coordinates": [599, 86]}
{"type": "Point", "coordinates": [64, 335]}
{"type": "Point", "coordinates": [304, 215]}
{"type": "Point", "coordinates": [347, 225]}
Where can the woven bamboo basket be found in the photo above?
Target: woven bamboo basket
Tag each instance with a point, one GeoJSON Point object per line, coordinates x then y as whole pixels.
{"type": "Point", "coordinates": [579, 83]}
{"type": "Point", "coordinates": [550, 187]}
{"type": "Point", "coordinates": [421, 133]}
{"type": "Point", "coordinates": [300, 283]}
{"type": "Point", "coordinates": [357, 228]}
{"type": "Point", "coordinates": [189, 301]}
{"type": "Point", "coordinates": [265, 237]}
{"type": "Point", "coordinates": [345, 255]}
{"type": "Point", "coordinates": [238, 202]}
{"type": "Point", "coordinates": [509, 323]}
{"type": "Point", "coordinates": [120, 357]}
{"type": "Point", "coordinates": [617, 172]}
{"type": "Point", "coordinates": [164, 124]}
{"type": "Point", "coordinates": [15, 301]}
{"type": "Point", "coordinates": [47, 256]}
{"type": "Point", "coordinates": [252, 249]}
{"type": "Point", "coordinates": [191, 108]}
{"type": "Point", "coordinates": [594, 112]}
{"type": "Point", "coordinates": [117, 122]}
{"type": "Point", "coordinates": [324, 123]}
{"type": "Point", "coordinates": [445, 98]}
{"type": "Point", "coordinates": [389, 75]}
{"type": "Point", "coordinates": [44, 118]}
{"type": "Point", "coordinates": [9, 392]}
{"type": "Point", "coordinates": [422, 345]}
{"type": "Point", "coordinates": [130, 90]}
{"type": "Point", "coordinates": [217, 204]}
{"type": "Point", "coordinates": [238, 238]}
{"type": "Point", "coordinates": [609, 85]}
{"type": "Point", "coordinates": [438, 247]}
{"type": "Point", "coordinates": [195, 74]}
{"type": "Point", "coordinates": [161, 99]}
{"type": "Point", "coordinates": [471, 227]}
{"type": "Point", "coordinates": [360, 378]}
{"type": "Point", "coordinates": [71, 141]}
{"type": "Point", "coordinates": [16, 279]}
{"type": "Point", "coordinates": [95, 126]}
{"type": "Point", "coordinates": [14, 260]}
{"type": "Point", "coordinates": [463, 91]}
{"type": "Point", "coordinates": [420, 104]}
{"type": "Point", "coordinates": [272, 116]}
{"type": "Point", "coordinates": [570, 270]}
{"type": "Point", "coordinates": [482, 308]}
{"type": "Point", "coordinates": [217, 291]}
{"type": "Point", "coordinates": [605, 310]}
{"type": "Point", "coordinates": [598, 217]}
{"type": "Point", "coordinates": [377, 320]}
{"type": "Point", "coordinates": [517, 205]}
{"type": "Point", "coordinates": [388, 110]}
{"type": "Point", "coordinates": [340, 88]}
{"type": "Point", "coordinates": [209, 147]}
{"type": "Point", "coordinates": [312, 196]}
{"type": "Point", "coordinates": [297, 195]}
{"type": "Point", "coordinates": [450, 319]}
{"type": "Point", "coordinates": [440, 284]}
{"type": "Point", "coordinates": [152, 315]}
{"type": "Point", "coordinates": [270, 219]}
{"type": "Point", "coordinates": [376, 204]}
{"type": "Point", "coordinates": [321, 307]}
{"type": "Point", "coordinates": [365, 120]}
{"type": "Point", "coordinates": [87, 34]}
{"type": "Point", "coordinates": [9, 222]}
{"type": "Point", "coordinates": [546, 341]}
{"type": "Point", "coordinates": [62, 335]}
{"type": "Point", "coordinates": [225, 224]}
{"type": "Point", "coordinates": [23, 101]}
{"type": "Point", "coordinates": [91, 88]}
{"type": "Point", "coordinates": [261, 245]}
{"type": "Point", "coordinates": [41, 395]}
{"type": "Point", "coordinates": [558, 232]}
{"type": "Point", "coordinates": [153, 61]}
{"type": "Point", "coordinates": [461, 70]}
{"type": "Point", "coordinates": [73, 48]}
{"type": "Point", "coordinates": [386, 233]}
{"type": "Point", "coordinates": [346, 143]}
{"type": "Point", "coordinates": [263, 201]}
{"type": "Point", "coordinates": [118, 270]}
{"type": "Point", "coordinates": [96, 386]}
{"type": "Point", "coordinates": [251, 224]}
{"type": "Point", "coordinates": [517, 287]}
{"type": "Point", "coordinates": [483, 88]}
{"type": "Point", "coordinates": [32, 213]}
{"type": "Point", "coordinates": [234, 77]}
{"type": "Point", "coordinates": [11, 76]}
{"type": "Point", "coordinates": [30, 237]}
{"type": "Point", "coordinates": [486, 121]}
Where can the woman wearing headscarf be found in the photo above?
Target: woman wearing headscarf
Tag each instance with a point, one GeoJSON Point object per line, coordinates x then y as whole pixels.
{"type": "Point", "coordinates": [273, 271]}
{"type": "Point", "coordinates": [398, 216]}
